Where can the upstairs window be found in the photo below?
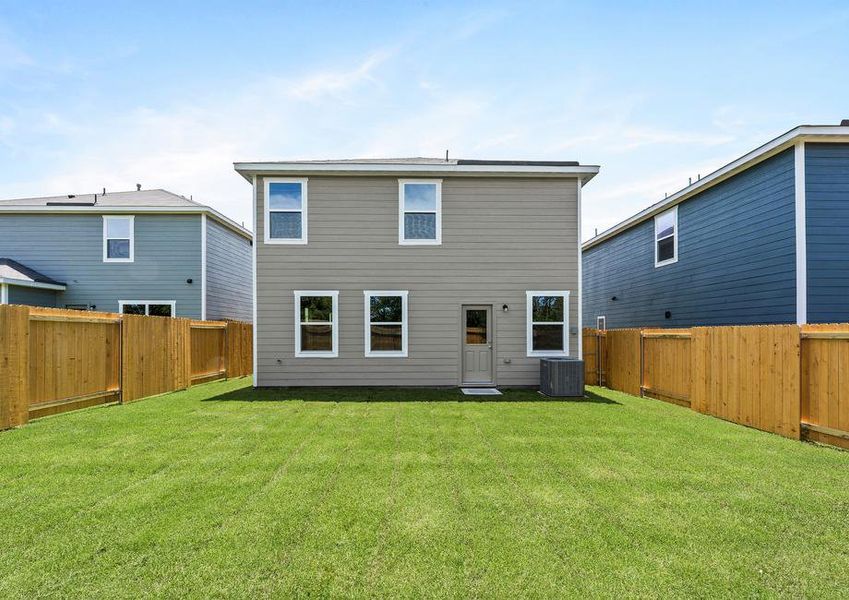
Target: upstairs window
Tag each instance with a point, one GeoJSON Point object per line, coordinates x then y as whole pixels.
{"type": "Point", "coordinates": [285, 211]}
{"type": "Point", "coordinates": [420, 212]}
{"type": "Point", "coordinates": [386, 324]}
{"type": "Point", "coordinates": [548, 323]}
{"type": "Point", "coordinates": [666, 238]}
{"type": "Point", "coordinates": [317, 324]}
{"type": "Point", "coordinates": [118, 239]}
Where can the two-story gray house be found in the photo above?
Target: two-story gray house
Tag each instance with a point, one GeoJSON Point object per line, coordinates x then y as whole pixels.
{"type": "Point", "coordinates": [763, 239]}
{"type": "Point", "coordinates": [140, 252]}
{"type": "Point", "coordinates": [414, 272]}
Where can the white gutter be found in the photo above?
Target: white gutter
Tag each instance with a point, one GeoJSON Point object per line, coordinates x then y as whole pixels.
{"type": "Point", "coordinates": [114, 210]}
{"type": "Point", "coordinates": [249, 169]}
{"type": "Point", "coordinates": [5, 281]}
{"type": "Point", "coordinates": [810, 133]}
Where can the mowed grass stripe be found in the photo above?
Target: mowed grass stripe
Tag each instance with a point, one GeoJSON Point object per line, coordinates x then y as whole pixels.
{"type": "Point", "coordinates": [226, 491]}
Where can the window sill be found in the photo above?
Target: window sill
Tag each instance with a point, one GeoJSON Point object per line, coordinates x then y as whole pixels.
{"type": "Point", "coordinates": [285, 241]}
{"type": "Point", "coordinates": [548, 354]}
{"type": "Point", "coordinates": [118, 260]}
{"type": "Point", "coordinates": [316, 354]}
{"type": "Point", "coordinates": [671, 261]}
{"type": "Point", "coordinates": [419, 242]}
{"type": "Point", "coordinates": [386, 355]}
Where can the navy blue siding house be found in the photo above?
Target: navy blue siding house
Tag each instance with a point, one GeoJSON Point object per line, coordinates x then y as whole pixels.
{"type": "Point", "coordinates": [764, 239]}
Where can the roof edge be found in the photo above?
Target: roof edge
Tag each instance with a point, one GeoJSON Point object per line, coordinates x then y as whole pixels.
{"type": "Point", "coordinates": [41, 285]}
{"type": "Point", "coordinates": [467, 169]}
{"type": "Point", "coordinates": [801, 133]}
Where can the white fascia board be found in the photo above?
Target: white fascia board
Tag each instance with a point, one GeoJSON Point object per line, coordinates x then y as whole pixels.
{"type": "Point", "coordinates": [203, 241]}
{"type": "Point", "coordinates": [801, 236]}
{"type": "Point", "coordinates": [248, 170]}
{"type": "Point", "coordinates": [31, 284]}
{"type": "Point", "coordinates": [810, 133]}
{"type": "Point", "coordinates": [119, 210]}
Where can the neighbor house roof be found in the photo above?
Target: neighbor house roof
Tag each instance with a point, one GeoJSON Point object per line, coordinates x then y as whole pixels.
{"type": "Point", "coordinates": [151, 201]}
{"type": "Point", "coordinates": [802, 133]}
{"type": "Point", "coordinates": [420, 166]}
{"type": "Point", "coordinates": [14, 273]}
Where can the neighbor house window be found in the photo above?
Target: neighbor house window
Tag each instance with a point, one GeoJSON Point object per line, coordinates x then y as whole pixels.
{"type": "Point", "coordinates": [548, 323]}
{"type": "Point", "coordinates": [317, 324]}
{"type": "Point", "coordinates": [150, 308]}
{"type": "Point", "coordinates": [118, 239]}
{"type": "Point", "coordinates": [386, 323]}
{"type": "Point", "coordinates": [420, 212]}
{"type": "Point", "coordinates": [666, 238]}
{"type": "Point", "coordinates": [601, 323]}
{"type": "Point", "coordinates": [285, 211]}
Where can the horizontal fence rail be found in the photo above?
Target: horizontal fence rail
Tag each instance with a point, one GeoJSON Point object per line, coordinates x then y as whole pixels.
{"type": "Point", "coordinates": [785, 379]}
{"type": "Point", "coordinates": [56, 360]}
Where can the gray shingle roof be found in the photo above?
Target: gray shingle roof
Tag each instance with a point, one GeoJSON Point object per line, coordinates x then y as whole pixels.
{"type": "Point", "coordinates": [151, 198]}
{"type": "Point", "coordinates": [423, 160]}
{"type": "Point", "coordinates": [12, 269]}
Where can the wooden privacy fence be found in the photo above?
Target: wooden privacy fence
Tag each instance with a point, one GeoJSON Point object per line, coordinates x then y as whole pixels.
{"type": "Point", "coordinates": [54, 360]}
{"type": "Point", "coordinates": [785, 379]}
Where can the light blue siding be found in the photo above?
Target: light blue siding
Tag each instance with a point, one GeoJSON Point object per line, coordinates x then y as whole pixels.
{"type": "Point", "coordinates": [736, 259]}
{"type": "Point", "coordinates": [827, 220]}
{"type": "Point", "coordinates": [69, 248]}
{"type": "Point", "coordinates": [32, 296]}
{"type": "Point", "coordinates": [229, 287]}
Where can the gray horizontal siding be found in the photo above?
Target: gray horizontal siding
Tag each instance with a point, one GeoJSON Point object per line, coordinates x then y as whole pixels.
{"type": "Point", "coordinates": [499, 239]}
{"type": "Point", "coordinates": [736, 259]}
{"type": "Point", "coordinates": [827, 221]}
{"type": "Point", "coordinates": [229, 262]}
{"type": "Point", "coordinates": [69, 248]}
{"type": "Point", "coordinates": [32, 296]}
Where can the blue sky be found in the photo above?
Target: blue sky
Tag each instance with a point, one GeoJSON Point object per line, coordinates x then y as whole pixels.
{"type": "Point", "coordinates": [168, 95]}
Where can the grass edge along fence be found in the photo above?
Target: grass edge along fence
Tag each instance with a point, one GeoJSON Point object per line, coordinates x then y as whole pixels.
{"type": "Point", "coordinates": [785, 379]}
{"type": "Point", "coordinates": [56, 360]}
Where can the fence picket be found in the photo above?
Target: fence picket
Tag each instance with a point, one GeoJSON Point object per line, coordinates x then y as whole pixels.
{"type": "Point", "coordinates": [55, 360]}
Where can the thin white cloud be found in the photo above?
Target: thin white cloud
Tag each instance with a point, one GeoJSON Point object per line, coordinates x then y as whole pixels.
{"type": "Point", "coordinates": [337, 81]}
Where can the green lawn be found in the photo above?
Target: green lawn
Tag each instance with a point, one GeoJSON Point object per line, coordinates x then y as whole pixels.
{"type": "Point", "coordinates": [353, 493]}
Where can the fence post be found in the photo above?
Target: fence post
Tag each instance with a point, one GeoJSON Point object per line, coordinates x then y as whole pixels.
{"type": "Point", "coordinates": [642, 362]}
{"type": "Point", "coordinates": [14, 366]}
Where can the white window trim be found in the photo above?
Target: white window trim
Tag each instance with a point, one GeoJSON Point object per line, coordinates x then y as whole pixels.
{"type": "Point", "coordinates": [401, 212]}
{"type": "Point", "coordinates": [267, 211]}
{"type": "Point", "coordinates": [674, 259]}
{"type": "Point", "coordinates": [334, 294]}
{"type": "Point", "coordinates": [147, 303]}
{"type": "Point", "coordinates": [601, 320]}
{"type": "Point", "coordinates": [530, 323]}
{"type": "Point", "coordinates": [132, 220]}
{"type": "Point", "coordinates": [369, 294]}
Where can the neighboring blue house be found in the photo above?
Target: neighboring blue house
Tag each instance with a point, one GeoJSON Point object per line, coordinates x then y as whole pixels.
{"type": "Point", "coordinates": [143, 252]}
{"type": "Point", "coordinates": [765, 239]}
